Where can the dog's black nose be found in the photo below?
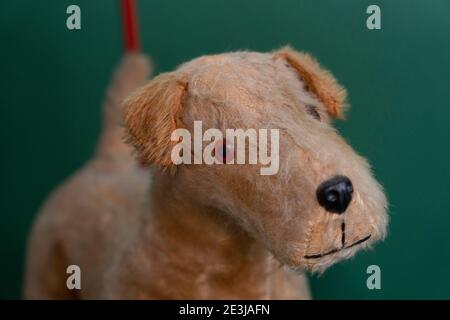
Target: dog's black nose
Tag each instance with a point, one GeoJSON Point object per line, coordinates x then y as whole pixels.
{"type": "Point", "coordinates": [335, 194]}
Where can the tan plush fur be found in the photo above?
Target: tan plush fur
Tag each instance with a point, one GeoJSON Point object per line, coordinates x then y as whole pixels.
{"type": "Point", "coordinates": [318, 80]}
{"type": "Point", "coordinates": [164, 95]}
{"type": "Point", "coordinates": [212, 231]}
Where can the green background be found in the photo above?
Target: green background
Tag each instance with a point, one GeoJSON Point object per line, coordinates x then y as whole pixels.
{"type": "Point", "coordinates": [398, 78]}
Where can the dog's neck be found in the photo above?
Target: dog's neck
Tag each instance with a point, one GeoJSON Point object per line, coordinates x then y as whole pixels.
{"type": "Point", "coordinates": [200, 252]}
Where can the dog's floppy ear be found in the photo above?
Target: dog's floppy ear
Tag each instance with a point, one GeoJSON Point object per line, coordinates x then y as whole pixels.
{"type": "Point", "coordinates": [151, 114]}
{"type": "Point", "coordinates": [318, 80]}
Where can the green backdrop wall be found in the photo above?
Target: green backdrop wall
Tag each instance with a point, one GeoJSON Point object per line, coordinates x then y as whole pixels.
{"type": "Point", "coordinates": [52, 83]}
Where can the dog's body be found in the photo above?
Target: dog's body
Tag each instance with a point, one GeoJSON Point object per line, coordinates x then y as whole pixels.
{"type": "Point", "coordinates": [211, 232]}
{"type": "Point", "coordinates": [80, 221]}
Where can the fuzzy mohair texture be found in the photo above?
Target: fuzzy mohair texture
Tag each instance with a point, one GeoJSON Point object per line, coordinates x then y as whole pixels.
{"type": "Point", "coordinates": [207, 231]}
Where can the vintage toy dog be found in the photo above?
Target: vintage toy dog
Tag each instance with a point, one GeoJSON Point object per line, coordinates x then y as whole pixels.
{"type": "Point", "coordinates": [200, 231]}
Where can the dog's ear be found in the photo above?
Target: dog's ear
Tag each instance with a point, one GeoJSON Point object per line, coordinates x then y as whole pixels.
{"type": "Point", "coordinates": [318, 80]}
{"type": "Point", "coordinates": [151, 114]}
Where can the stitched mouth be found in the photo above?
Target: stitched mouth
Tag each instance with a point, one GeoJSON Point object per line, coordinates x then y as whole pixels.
{"type": "Point", "coordinates": [320, 255]}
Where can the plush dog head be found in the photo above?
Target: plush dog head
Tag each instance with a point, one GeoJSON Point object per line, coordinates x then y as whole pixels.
{"type": "Point", "coordinates": [321, 205]}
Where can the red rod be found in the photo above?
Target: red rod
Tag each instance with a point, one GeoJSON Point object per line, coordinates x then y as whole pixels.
{"type": "Point", "coordinates": [130, 25]}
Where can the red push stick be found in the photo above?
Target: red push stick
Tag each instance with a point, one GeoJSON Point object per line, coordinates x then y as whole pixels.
{"type": "Point", "coordinates": [130, 26]}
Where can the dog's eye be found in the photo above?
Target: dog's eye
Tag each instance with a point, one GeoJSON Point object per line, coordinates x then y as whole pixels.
{"type": "Point", "coordinates": [312, 111]}
{"type": "Point", "coordinates": [224, 152]}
